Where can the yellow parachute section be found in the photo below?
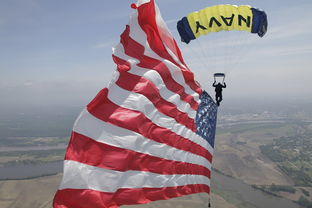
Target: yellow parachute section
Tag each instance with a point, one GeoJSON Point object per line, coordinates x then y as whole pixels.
{"type": "Point", "coordinates": [222, 17]}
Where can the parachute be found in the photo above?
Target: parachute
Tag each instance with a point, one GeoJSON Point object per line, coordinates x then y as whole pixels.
{"type": "Point", "coordinates": [222, 17]}
{"type": "Point", "coordinates": [220, 75]}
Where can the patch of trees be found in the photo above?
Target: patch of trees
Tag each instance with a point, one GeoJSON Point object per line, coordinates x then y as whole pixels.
{"type": "Point", "coordinates": [305, 192]}
{"type": "Point", "coordinates": [293, 155]}
{"type": "Point", "coordinates": [300, 177]}
{"type": "Point", "coordinates": [241, 143]}
{"type": "Point", "coordinates": [276, 188]}
{"type": "Point", "coordinates": [272, 189]}
{"type": "Point", "coordinates": [304, 202]}
{"type": "Point", "coordinates": [272, 153]}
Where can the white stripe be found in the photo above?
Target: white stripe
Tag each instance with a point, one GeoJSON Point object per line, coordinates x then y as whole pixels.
{"type": "Point", "coordinates": [140, 2]}
{"type": "Point", "coordinates": [133, 99]}
{"type": "Point", "coordinates": [137, 34]}
{"type": "Point", "coordinates": [163, 90]}
{"type": "Point", "coordinates": [154, 77]}
{"type": "Point", "coordinates": [104, 132]}
{"type": "Point", "coordinates": [140, 103]}
{"type": "Point", "coordinates": [162, 28]}
{"type": "Point", "coordinates": [174, 70]}
{"type": "Point", "coordinates": [80, 176]}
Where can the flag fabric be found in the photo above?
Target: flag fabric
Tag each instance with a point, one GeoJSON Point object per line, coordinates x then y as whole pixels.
{"type": "Point", "coordinates": [150, 134]}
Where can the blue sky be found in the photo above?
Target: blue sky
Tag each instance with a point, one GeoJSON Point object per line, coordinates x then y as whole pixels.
{"type": "Point", "coordinates": [59, 52]}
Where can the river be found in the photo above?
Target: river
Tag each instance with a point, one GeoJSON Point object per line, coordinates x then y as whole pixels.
{"type": "Point", "coordinates": [24, 171]}
{"type": "Point", "coordinates": [248, 194]}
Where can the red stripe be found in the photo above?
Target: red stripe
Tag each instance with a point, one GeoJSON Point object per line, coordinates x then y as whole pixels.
{"type": "Point", "coordinates": [102, 108]}
{"type": "Point", "coordinates": [88, 151]}
{"type": "Point", "coordinates": [135, 50]}
{"type": "Point", "coordinates": [171, 84]}
{"type": "Point", "coordinates": [86, 198]}
{"type": "Point", "coordinates": [122, 65]}
{"type": "Point", "coordinates": [147, 21]}
{"type": "Point", "coordinates": [145, 87]}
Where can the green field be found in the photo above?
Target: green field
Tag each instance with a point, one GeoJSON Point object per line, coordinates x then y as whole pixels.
{"type": "Point", "coordinates": [293, 155]}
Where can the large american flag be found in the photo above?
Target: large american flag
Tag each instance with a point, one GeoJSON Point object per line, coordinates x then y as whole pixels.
{"type": "Point", "coordinates": [150, 134]}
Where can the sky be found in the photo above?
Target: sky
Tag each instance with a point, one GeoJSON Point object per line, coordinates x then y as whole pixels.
{"type": "Point", "coordinates": [56, 52]}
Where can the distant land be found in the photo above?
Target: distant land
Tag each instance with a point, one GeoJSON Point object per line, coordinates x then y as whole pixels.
{"type": "Point", "coordinates": [265, 146]}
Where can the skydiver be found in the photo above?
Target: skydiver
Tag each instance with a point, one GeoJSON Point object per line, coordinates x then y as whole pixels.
{"type": "Point", "coordinates": [218, 89]}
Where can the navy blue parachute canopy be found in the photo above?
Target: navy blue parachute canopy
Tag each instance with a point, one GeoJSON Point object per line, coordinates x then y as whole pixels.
{"type": "Point", "coordinates": [260, 22]}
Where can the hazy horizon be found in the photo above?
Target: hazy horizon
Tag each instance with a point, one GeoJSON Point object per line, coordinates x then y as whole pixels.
{"type": "Point", "coordinates": [56, 53]}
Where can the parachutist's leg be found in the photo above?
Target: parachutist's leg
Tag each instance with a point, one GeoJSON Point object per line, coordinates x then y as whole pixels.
{"type": "Point", "coordinates": [220, 98]}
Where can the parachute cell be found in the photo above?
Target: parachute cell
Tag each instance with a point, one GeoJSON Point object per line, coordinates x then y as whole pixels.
{"type": "Point", "coordinates": [222, 17]}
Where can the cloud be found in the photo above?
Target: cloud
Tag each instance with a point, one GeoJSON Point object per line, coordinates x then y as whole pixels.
{"type": "Point", "coordinates": [171, 21]}
{"type": "Point", "coordinates": [28, 83]}
{"type": "Point", "coordinates": [285, 50]}
{"type": "Point", "coordinates": [290, 30]}
{"type": "Point", "coordinates": [290, 22]}
{"type": "Point", "coordinates": [49, 93]}
{"type": "Point", "coordinates": [105, 44]}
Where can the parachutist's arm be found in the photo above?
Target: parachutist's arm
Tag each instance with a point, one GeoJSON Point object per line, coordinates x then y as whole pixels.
{"type": "Point", "coordinates": [224, 86]}
{"type": "Point", "coordinates": [214, 84]}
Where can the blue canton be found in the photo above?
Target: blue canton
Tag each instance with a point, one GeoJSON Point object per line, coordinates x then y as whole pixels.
{"type": "Point", "coordinates": [206, 118]}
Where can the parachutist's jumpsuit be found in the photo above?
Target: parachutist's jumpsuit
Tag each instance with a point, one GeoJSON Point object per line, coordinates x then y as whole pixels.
{"type": "Point", "coordinates": [218, 90]}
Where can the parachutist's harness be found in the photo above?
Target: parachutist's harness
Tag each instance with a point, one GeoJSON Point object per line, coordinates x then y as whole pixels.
{"type": "Point", "coordinates": [218, 87]}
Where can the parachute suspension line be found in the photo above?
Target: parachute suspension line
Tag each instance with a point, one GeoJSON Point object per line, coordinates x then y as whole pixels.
{"type": "Point", "coordinates": [207, 57]}
{"type": "Point", "coordinates": [202, 53]}
{"type": "Point", "coordinates": [214, 56]}
{"type": "Point", "coordinates": [237, 52]}
{"type": "Point", "coordinates": [199, 57]}
{"type": "Point", "coordinates": [220, 51]}
{"type": "Point", "coordinates": [202, 50]}
{"type": "Point", "coordinates": [230, 50]}
{"type": "Point", "coordinates": [227, 52]}
{"type": "Point", "coordinates": [240, 47]}
{"type": "Point", "coordinates": [244, 48]}
{"type": "Point", "coordinates": [235, 49]}
{"type": "Point", "coordinates": [188, 60]}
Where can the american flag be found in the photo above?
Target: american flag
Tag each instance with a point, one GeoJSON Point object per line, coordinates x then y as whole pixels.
{"type": "Point", "coordinates": [150, 134]}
